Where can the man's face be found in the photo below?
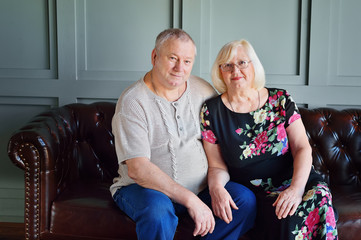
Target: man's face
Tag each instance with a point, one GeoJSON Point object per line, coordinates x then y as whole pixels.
{"type": "Point", "coordinates": [173, 63]}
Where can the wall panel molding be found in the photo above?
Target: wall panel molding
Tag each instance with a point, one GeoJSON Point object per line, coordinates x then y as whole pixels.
{"type": "Point", "coordinates": [112, 41]}
{"type": "Point", "coordinates": [280, 40]}
{"type": "Point", "coordinates": [345, 48]}
{"type": "Point", "coordinates": [11, 204]}
{"type": "Point", "coordinates": [54, 53]}
{"type": "Point", "coordinates": [29, 47]}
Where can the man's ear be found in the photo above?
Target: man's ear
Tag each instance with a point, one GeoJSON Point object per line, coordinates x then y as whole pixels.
{"type": "Point", "coordinates": [154, 55]}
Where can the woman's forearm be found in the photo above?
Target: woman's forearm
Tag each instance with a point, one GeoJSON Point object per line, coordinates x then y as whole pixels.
{"type": "Point", "coordinates": [217, 177]}
{"type": "Point", "coordinates": [301, 167]}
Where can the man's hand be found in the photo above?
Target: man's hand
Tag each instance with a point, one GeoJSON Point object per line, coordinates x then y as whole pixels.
{"type": "Point", "coordinates": [148, 175]}
{"type": "Point", "coordinates": [202, 217]}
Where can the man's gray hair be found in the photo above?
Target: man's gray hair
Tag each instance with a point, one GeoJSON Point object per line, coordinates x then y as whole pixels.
{"type": "Point", "coordinates": [172, 33]}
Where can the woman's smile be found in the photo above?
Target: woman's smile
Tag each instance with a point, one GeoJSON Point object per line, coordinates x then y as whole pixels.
{"type": "Point", "coordinates": [237, 78]}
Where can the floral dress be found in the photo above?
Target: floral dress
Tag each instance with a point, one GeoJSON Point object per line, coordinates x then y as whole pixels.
{"type": "Point", "coordinates": [255, 148]}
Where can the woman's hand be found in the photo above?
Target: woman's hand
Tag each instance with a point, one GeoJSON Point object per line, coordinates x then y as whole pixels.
{"type": "Point", "coordinates": [222, 203]}
{"type": "Point", "coordinates": [287, 202]}
{"type": "Point", "coordinates": [202, 217]}
{"type": "Point", "coordinates": [218, 176]}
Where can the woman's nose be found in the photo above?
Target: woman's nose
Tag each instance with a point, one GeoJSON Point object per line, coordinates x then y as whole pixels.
{"type": "Point", "coordinates": [235, 68]}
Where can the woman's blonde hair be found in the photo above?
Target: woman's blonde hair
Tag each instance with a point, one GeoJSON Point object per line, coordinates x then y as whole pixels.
{"type": "Point", "coordinates": [226, 53]}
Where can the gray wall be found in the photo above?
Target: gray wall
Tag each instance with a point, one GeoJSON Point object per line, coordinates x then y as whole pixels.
{"type": "Point", "coordinates": [58, 52]}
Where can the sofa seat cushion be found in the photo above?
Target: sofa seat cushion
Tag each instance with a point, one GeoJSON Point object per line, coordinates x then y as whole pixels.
{"type": "Point", "coordinates": [87, 209]}
{"type": "Point", "coordinates": [347, 201]}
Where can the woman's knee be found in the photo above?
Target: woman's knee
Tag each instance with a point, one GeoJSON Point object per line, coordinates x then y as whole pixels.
{"type": "Point", "coordinates": [241, 195]}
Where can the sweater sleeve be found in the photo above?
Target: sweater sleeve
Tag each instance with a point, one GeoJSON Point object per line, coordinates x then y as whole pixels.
{"type": "Point", "coordinates": [130, 131]}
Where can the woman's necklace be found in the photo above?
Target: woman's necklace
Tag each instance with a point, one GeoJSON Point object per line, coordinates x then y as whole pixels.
{"type": "Point", "coordinates": [259, 101]}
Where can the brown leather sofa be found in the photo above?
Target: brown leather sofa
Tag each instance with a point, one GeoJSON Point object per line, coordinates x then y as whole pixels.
{"type": "Point", "coordinates": [69, 161]}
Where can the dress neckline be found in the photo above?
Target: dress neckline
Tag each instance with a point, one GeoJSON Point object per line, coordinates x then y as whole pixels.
{"type": "Point", "coordinates": [261, 106]}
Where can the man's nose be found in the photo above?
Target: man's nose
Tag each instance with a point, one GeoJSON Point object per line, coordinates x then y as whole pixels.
{"type": "Point", "coordinates": [179, 66]}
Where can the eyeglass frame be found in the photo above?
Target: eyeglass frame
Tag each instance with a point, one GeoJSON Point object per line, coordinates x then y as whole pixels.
{"type": "Point", "coordinates": [235, 64]}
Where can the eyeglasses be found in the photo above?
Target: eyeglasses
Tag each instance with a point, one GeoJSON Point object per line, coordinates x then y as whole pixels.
{"type": "Point", "coordinates": [228, 67]}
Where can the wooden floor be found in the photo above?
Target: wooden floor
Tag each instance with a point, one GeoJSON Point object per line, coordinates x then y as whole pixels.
{"type": "Point", "coordinates": [12, 231]}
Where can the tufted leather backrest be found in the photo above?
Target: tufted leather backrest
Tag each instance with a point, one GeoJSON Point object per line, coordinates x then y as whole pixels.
{"type": "Point", "coordinates": [335, 137]}
{"type": "Point", "coordinates": [94, 148]}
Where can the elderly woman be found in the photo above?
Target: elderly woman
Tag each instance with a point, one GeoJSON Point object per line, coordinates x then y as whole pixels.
{"type": "Point", "coordinates": [254, 135]}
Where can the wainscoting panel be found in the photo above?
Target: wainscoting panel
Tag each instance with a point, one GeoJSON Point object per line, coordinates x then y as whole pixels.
{"type": "Point", "coordinates": [27, 40]}
{"type": "Point", "coordinates": [12, 204]}
{"type": "Point", "coordinates": [54, 53]}
{"type": "Point", "coordinates": [115, 38]}
{"type": "Point", "coordinates": [345, 48]}
{"type": "Point", "coordinates": [334, 62]}
{"type": "Point", "coordinates": [278, 30]}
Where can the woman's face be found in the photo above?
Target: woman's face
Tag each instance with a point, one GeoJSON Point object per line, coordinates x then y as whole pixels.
{"type": "Point", "coordinates": [238, 76]}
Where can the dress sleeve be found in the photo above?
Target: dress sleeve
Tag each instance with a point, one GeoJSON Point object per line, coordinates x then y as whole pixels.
{"type": "Point", "coordinates": [207, 133]}
{"type": "Point", "coordinates": [292, 112]}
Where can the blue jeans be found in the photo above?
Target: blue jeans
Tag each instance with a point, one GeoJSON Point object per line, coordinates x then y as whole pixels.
{"type": "Point", "coordinates": [156, 218]}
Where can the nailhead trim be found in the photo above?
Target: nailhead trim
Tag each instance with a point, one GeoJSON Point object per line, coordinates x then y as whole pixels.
{"type": "Point", "coordinates": [36, 197]}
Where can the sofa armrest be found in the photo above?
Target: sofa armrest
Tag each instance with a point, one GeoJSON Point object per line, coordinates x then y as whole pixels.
{"type": "Point", "coordinates": [43, 148]}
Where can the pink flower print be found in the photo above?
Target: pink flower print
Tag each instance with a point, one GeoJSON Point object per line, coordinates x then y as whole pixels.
{"type": "Point", "coordinates": [330, 236]}
{"type": "Point", "coordinates": [272, 125]}
{"type": "Point", "coordinates": [273, 101]}
{"type": "Point", "coordinates": [276, 118]}
{"type": "Point", "coordinates": [273, 97]}
{"type": "Point", "coordinates": [330, 217]}
{"type": "Point", "coordinates": [239, 131]}
{"type": "Point", "coordinates": [283, 113]}
{"type": "Point", "coordinates": [281, 132]}
{"type": "Point", "coordinates": [312, 219]}
{"type": "Point", "coordinates": [261, 138]}
{"type": "Point", "coordinates": [279, 93]}
{"type": "Point", "coordinates": [323, 202]}
{"type": "Point", "coordinates": [294, 117]}
{"type": "Point", "coordinates": [209, 136]}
